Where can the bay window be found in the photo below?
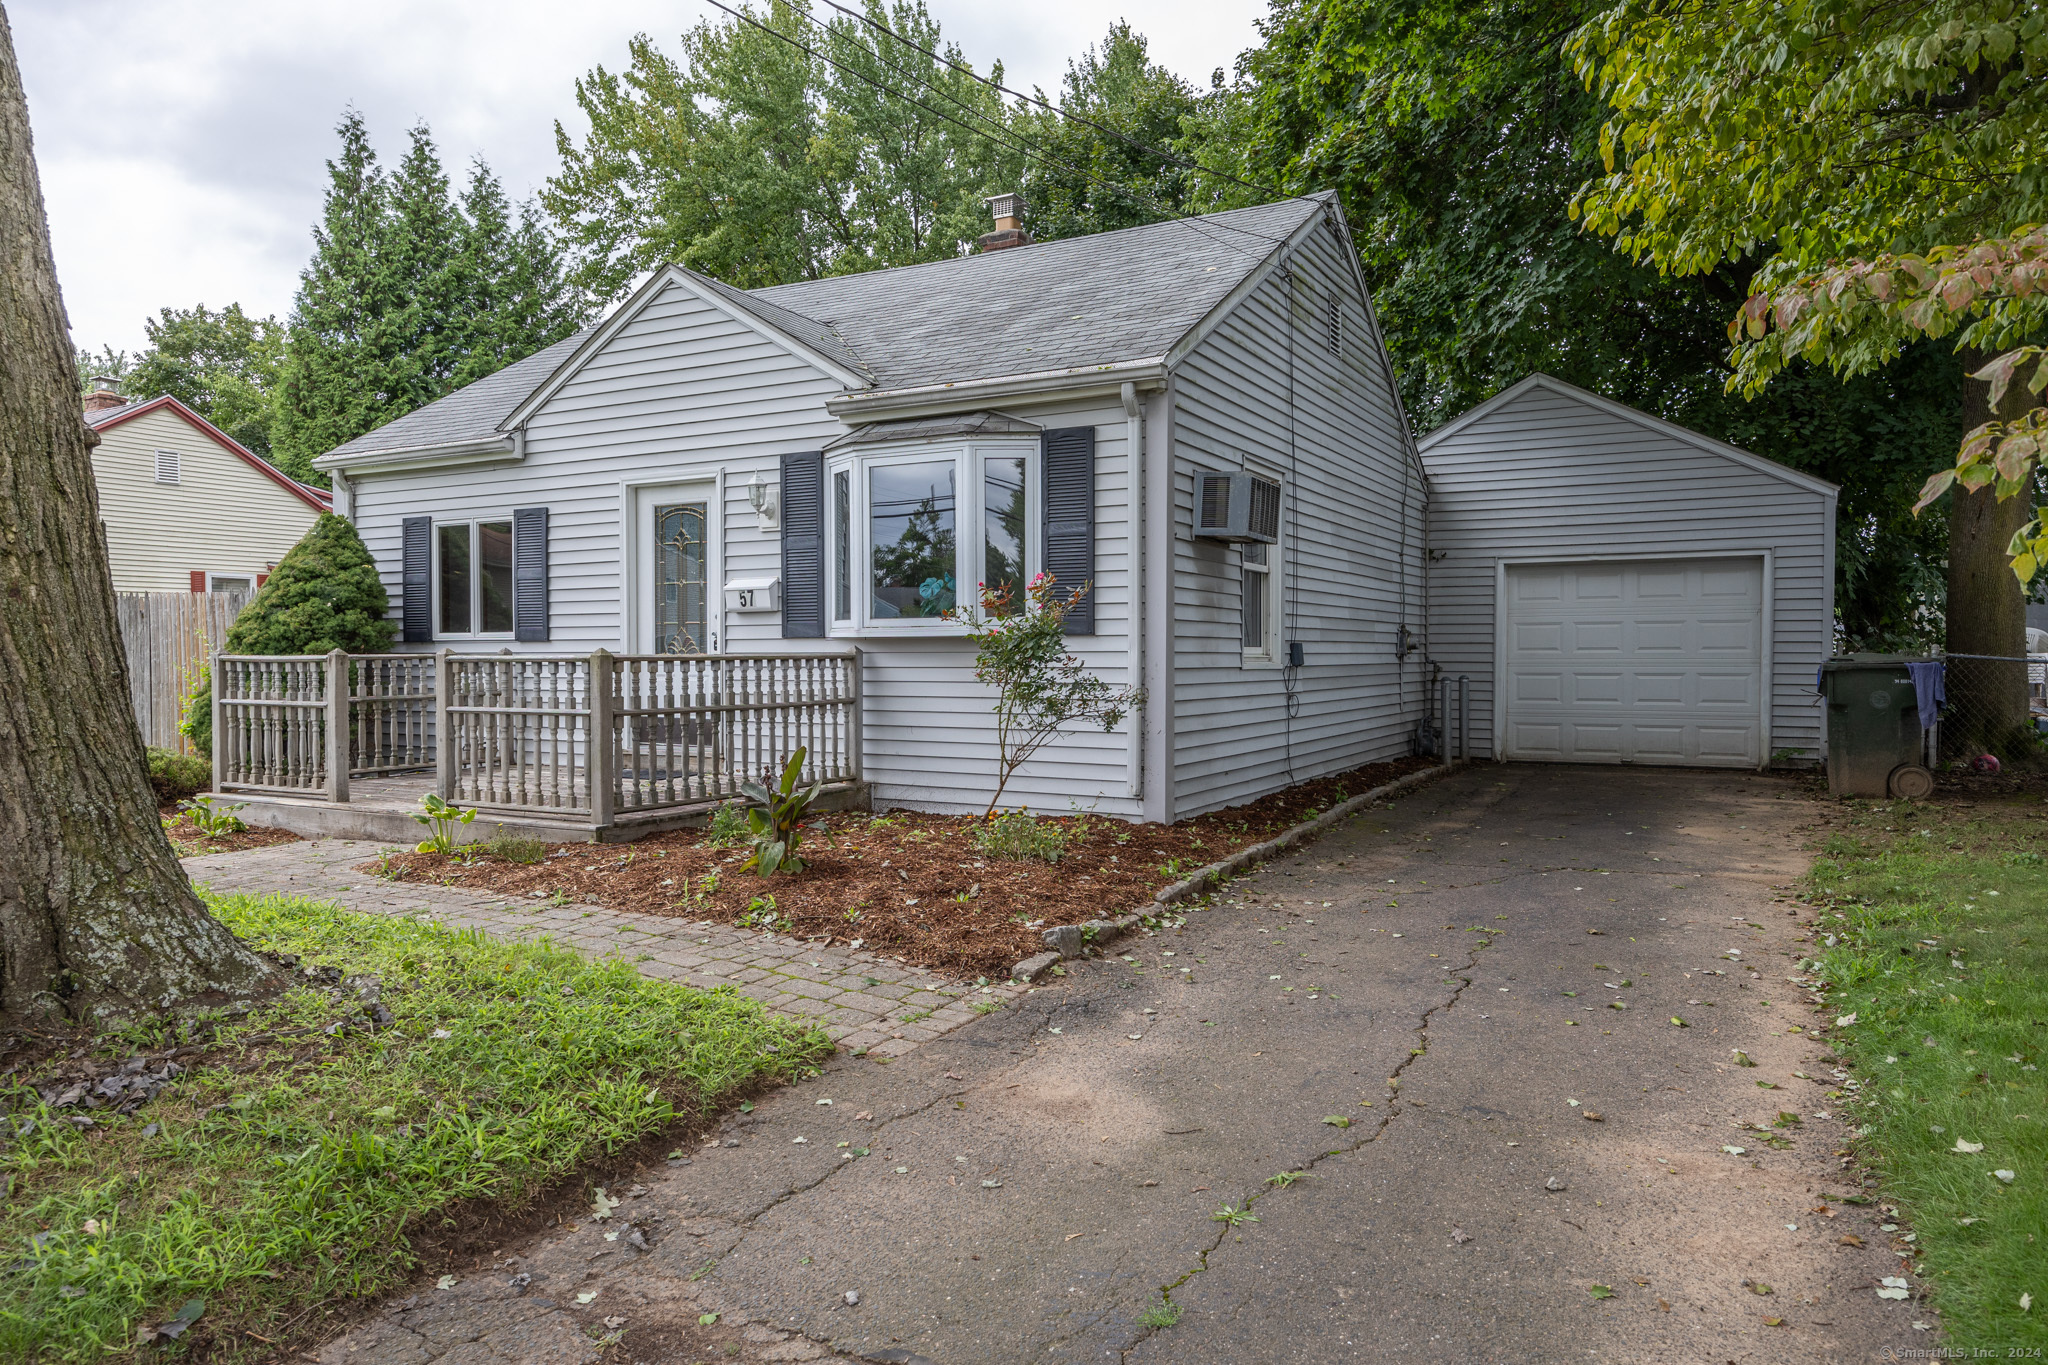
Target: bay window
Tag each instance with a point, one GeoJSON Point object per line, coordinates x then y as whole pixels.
{"type": "Point", "coordinates": [914, 530]}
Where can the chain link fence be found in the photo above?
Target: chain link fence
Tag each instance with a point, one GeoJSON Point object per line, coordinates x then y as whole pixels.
{"type": "Point", "coordinates": [1992, 718]}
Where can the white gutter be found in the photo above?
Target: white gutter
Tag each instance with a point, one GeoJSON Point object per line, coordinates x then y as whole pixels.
{"type": "Point", "coordinates": [924, 399]}
{"type": "Point", "coordinates": [511, 447]}
{"type": "Point", "coordinates": [1134, 461]}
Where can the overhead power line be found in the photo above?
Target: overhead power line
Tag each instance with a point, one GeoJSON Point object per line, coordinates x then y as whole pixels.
{"type": "Point", "coordinates": [1005, 135]}
{"type": "Point", "coordinates": [1061, 110]}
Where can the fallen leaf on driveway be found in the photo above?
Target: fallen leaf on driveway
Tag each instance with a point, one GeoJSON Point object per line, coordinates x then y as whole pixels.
{"type": "Point", "coordinates": [1850, 1239]}
{"type": "Point", "coordinates": [1460, 1236]}
{"type": "Point", "coordinates": [706, 1319]}
{"type": "Point", "coordinates": [1893, 1288]}
{"type": "Point", "coordinates": [1600, 1291]}
{"type": "Point", "coordinates": [1735, 1151]}
{"type": "Point", "coordinates": [586, 1296]}
{"type": "Point", "coordinates": [1677, 1022]}
{"type": "Point", "coordinates": [602, 1204]}
{"type": "Point", "coordinates": [863, 1117]}
{"type": "Point", "coordinates": [1593, 1116]}
{"type": "Point", "coordinates": [445, 1282]}
{"type": "Point", "coordinates": [1338, 1121]}
{"type": "Point", "coordinates": [1741, 1057]}
{"type": "Point", "coordinates": [1774, 1322]}
{"type": "Point", "coordinates": [1758, 1287]}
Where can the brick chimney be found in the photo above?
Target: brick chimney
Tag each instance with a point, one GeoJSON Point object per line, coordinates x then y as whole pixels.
{"type": "Point", "coordinates": [103, 396]}
{"type": "Point", "coordinates": [1009, 210]}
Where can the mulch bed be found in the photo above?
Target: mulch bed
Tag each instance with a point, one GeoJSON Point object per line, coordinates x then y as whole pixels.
{"type": "Point", "coordinates": [188, 842]}
{"type": "Point", "coordinates": [905, 885]}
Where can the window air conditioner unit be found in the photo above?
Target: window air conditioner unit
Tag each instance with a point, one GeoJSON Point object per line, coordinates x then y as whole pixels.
{"type": "Point", "coordinates": [1236, 507]}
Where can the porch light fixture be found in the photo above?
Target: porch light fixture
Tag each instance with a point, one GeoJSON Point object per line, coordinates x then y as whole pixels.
{"type": "Point", "coordinates": [766, 500]}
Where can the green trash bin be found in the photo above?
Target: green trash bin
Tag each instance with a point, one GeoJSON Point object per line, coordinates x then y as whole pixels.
{"type": "Point", "coordinates": [1875, 744]}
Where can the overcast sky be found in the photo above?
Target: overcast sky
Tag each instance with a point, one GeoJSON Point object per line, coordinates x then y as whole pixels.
{"type": "Point", "coordinates": [182, 142]}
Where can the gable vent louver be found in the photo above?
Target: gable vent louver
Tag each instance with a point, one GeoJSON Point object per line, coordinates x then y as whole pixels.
{"type": "Point", "coordinates": [168, 468]}
{"type": "Point", "coordinates": [1236, 507]}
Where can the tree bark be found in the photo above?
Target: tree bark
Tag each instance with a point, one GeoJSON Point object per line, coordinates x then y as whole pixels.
{"type": "Point", "coordinates": [1987, 604]}
{"type": "Point", "coordinates": [97, 920]}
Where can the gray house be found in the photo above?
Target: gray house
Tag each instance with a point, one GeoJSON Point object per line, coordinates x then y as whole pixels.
{"type": "Point", "coordinates": [1196, 419]}
{"type": "Point", "coordinates": [1622, 590]}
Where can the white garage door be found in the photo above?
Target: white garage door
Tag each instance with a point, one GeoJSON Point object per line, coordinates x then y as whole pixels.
{"type": "Point", "coordinates": [1656, 661]}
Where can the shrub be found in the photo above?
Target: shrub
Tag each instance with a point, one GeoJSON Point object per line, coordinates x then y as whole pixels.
{"type": "Point", "coordinates": [178, 776]}
{"type": "Point", "coordinates": [776, 825]}
{"type": "Point", "coordinates": [324, 595]}
{"type": "Point", "coordinates": [1041, 689]}
{"type": "Point", "coordinates": [513, 848]}
{"type": "Point", "coordinates": [728, 826]}
{"type": "Point", "coordinates": [1019, 836]}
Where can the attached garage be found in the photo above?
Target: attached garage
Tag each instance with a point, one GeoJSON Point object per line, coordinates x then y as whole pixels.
{"type": "Point", "coordinates": [1621, 590]}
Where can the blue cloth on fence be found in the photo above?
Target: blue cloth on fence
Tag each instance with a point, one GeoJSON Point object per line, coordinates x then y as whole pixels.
{"type": "Point", "coordinates": [1931, 686]}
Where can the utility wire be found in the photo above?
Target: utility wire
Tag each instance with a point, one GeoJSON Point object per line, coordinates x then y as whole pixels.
{"type": "Point", "coordinates": [1007, 137]}
{"type": "Point", "coordinates": [1147, 148]}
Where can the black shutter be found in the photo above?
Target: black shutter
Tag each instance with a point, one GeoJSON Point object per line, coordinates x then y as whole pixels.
{"type": "Point", "coordinates": [803, 546]}
{"type": "Point", "coordinates": [529, 573]}
{"type": "Point", "coordinates": [1069, 458]}
{"type": "Point", "coordinates": [416, 607]}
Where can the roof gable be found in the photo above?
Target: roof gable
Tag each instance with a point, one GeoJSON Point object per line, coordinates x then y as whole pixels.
{"type": "Point", "coordinates": [317, 499]}
{"type": "Point", "coordinates": [1509, 396]}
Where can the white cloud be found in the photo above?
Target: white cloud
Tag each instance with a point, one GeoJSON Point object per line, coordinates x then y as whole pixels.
{"type": "Point", "coordinates": [182, 142]}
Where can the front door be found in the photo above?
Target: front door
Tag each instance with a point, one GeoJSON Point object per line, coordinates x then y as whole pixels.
{"type": "Point", "coordinates": [677, 570]}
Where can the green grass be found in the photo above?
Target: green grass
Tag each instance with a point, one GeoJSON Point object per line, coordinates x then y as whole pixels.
{"type": "Point", "coordinates": [1973, 879]}
{"type": "Point", "coordinates": [290, 1168]}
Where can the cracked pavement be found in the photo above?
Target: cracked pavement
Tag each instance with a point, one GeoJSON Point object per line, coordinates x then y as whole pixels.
{"type": "Point", "coordinates": [1035, 1179]}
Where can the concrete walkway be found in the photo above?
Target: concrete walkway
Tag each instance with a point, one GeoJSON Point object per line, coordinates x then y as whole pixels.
{"type": "Point", "coordinates": [1441, 975]}
{"type": "Point", "coordinates": [859, 998]}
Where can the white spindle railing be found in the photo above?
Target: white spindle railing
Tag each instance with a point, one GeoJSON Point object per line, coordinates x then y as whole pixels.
{"type": "Point", "coordinates": [591, 737]}
{"type": "Point", "coordinates": [270, 724]}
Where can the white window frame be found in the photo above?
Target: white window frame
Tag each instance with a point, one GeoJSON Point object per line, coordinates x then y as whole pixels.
{"type": "Point", "coordinates": [475, 579]}
{"type": "Point", "coordinates": [970, 567]}
{"type": "Point", "coordinates": [1268, 654]}
{"type": "Point", "coordinates": [254, 577]}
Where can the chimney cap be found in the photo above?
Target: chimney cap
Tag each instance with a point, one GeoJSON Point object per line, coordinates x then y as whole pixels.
{"type": "Point", "coordinates": [1006, 205]}
{"type": "Point", "coordinates": [106, 383]}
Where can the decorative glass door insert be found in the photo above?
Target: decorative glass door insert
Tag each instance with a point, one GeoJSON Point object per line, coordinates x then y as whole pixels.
{"type": "Point", "coordinates": [682, 618]}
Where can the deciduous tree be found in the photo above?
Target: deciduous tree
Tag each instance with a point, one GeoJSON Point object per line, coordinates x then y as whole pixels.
{"type": "Point", "coordinates": [97, 920]}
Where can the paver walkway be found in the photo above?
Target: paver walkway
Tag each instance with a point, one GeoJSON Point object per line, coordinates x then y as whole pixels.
{"type": "Point", "coordinates": [1440, 975]}
{"type": "Point", "coordinates": [859, 998]}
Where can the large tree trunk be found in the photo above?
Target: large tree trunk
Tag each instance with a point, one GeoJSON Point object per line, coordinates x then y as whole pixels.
{"type": "Point", "coordinates": [1987, 605]}
{"type": "Point", "coordinates": [97, 920]}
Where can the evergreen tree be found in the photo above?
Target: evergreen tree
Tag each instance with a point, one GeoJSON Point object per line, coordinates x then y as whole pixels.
{"type": "Point", "coordinates": [337, 381]}
{"type": "Point", "coordinates": [410, 295]}
{"type": "Point", "coordinates": [323, 595]}
{"type": "Point", "coordinates": [225, 366]}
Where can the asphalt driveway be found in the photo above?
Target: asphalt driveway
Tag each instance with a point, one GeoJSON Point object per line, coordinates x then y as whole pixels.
{"type": "Point", "coordinates": [1466, 979]}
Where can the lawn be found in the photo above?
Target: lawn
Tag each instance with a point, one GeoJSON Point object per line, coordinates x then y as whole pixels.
{"type": "Point", "coordinates": [416, 1081]}
{"type": "Point", "coordinates": [1933, 937]}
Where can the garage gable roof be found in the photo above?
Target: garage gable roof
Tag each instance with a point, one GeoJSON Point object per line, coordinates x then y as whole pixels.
{"type": "Point", "coordinates": [1628, 414]}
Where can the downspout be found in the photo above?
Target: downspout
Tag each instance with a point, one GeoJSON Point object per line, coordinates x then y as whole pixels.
{"type": "Point", "coordinates": [1134, 458]}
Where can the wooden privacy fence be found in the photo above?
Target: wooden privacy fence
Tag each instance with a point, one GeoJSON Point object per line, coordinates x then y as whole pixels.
{"type": "Point", "coordinates": [168, 637]}
{"type": "Point", "coordinates": [589, 737]}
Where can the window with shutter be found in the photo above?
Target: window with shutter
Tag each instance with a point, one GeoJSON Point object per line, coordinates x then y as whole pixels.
{"type": "Point", "coordinates": [416, 581]}
{"type": "Point", "coordinates": [803, 546]}
{"type": "Point", "coordinates": [1068, 456]}
{"type": "Point", "coordinates": [529, 573]}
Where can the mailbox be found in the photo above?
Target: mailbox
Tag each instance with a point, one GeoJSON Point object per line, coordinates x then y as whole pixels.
{"type": "Point", "coordinates": [754, 594]}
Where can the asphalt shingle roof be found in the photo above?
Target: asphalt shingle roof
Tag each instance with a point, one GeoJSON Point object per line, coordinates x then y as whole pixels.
{"type": "Point", "coordinates": [1081, 301]}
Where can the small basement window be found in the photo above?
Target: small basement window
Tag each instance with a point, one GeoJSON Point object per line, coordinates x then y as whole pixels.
{"type": "Point", "coordinates": [169, 467]}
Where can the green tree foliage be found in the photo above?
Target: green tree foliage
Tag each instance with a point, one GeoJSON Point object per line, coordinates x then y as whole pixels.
{"type": "Point", "coordinates": [106, 362]}
{"type": "Point", "coordinates": [323, 595]}
{"type": "Point", "coordinates": [410, 295]}
{"type": "Point", "coordinates": [1074, 163]}
{"type": "Point", "coordinates": [224, 366]}
{"type": "Point", "coordinates": [1457, 136]}
{"type": "Point", "coordinates": [759, 162]}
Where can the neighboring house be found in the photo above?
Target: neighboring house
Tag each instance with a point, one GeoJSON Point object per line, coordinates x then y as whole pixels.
{"type": "Point", "coordinates": [1622, 590]}
{"type": "Point", "coordinates": [833, 463]}
{"type": "Point", "coordinates": [187, 508]}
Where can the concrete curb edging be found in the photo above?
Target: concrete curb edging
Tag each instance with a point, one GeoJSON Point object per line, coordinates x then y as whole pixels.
{"type": "Point", "coordinates": [1074, 940]}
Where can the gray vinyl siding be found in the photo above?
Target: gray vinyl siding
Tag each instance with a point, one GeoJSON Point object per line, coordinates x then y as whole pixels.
{"type": "Point", "coordinates": [1547, 475]}
{"type": "Point", "coordinates": [1349, 580]}
{"type": "Point", "coordinates": [684, 392]}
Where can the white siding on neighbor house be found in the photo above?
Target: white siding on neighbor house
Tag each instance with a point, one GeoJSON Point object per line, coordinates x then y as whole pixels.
{"type": "Point", "coordinates": [684, 392]}
{"type": "Point", "coordinates": [1350, 551]}
{"type": "Point", "coordinates": [1549, 475]}
{"type": "Point", "coordinates": [222, 516]}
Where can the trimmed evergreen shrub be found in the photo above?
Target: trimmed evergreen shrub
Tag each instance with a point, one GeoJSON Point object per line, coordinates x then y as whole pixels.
{"type": "Point", "coordinates": [176, 776]}
{"type": "Point", "coordinates": [323, 595]}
